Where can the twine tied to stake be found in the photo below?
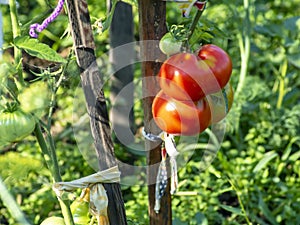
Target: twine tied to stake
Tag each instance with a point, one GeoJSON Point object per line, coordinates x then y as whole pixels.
{"type": "Point", "coordinates": [98, 197]}
{"type": "Point", "coordinates": [186, 6]}
{"type": "Point", "coordinates": [39, 27]}
{"type": "Point", "coordinates": [168, 147]}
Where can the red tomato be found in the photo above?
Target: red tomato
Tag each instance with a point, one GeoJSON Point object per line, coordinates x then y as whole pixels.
{"type": "Point", "coordinates": [186, 76]}
{"type": "Point", "coordinates": [220, 103]}
{"type": "Point", "coordinates": [218, 61]}
{"type": "Point", "coordinates": [180, 117]}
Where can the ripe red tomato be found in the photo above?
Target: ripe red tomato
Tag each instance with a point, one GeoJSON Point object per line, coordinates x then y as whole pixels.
{"type": "Point", "coordinates": [179, 76]}
{"type": "Point", "coordinates": [180, 117]}
{"type": "Point", "coordinates": [218, 61]}
{"type": "Point", "coordinates": [187, 76]}
{"type": "Point", "coordinates": [220, 103]}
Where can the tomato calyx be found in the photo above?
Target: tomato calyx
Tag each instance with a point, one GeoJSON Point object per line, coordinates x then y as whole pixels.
{"type": "Point", "coordinates": [11, 107]}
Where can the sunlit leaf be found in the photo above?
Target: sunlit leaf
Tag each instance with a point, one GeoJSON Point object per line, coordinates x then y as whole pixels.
{"type": "Point", "coordinates": [265, 210]}
{"type": "Point", "coordinates": [294, 59]}
{"type": "Point", "coordinates": [34, 48]}
{"type": "Point", "coordinates": [265, 160]}
{"type": "Point", "coordinates": [233, 210]}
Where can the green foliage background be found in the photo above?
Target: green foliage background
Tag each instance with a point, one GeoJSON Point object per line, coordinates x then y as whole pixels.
{"type": "Point", "coordinates": [255, 177]}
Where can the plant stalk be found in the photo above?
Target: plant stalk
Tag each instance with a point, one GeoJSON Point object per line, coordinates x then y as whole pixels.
{"type": "Point", "coordinates": [16, 32]}
{"type": "Point", "coordinates": [240, 201]}
{"type": "Point", "coordinates": [244, 43]}
{"type": "Point", "coordinates": [11, 204]}
{"type": "Point", "coordinates": [43, 146]}
{"type": "Point", "coordinates": [52, 164]}
{"type": "Point", "coordinates": [282, 83]}
{"type": "Point", "coordinates": [194, 23]}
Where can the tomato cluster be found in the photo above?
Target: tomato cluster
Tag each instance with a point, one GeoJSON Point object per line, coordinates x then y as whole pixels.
{"type": "Point", "coordinates": [195, 91]}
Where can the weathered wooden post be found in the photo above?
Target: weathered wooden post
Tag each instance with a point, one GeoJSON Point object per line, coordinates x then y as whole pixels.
{"type": "Point", "coordinates": [152, 17]}
{"type": "Point", "coordinates": [84, 47]}
{"type": "Point", "coordinates": [121, 37]}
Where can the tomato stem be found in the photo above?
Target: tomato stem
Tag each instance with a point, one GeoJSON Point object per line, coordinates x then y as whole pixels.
{"type": "Point", "coordinates": [11, 204]}
{"type": "Point", "coordinates": [43, 145]}
{"type": "Point", "coordinates": [16, 32]}
{"type": "Point", "coordinates": [244, 44]}
{"type": "Point", "coordinates": [49, 154]}
{"type": "Point", "coordinates": [195, 23]}
{"type": "Point", "coordinates": [238, 193]}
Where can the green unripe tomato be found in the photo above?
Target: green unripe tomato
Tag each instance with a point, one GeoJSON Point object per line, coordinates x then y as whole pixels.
{"type": "Point", "coordinates": [15, 125]}
{"type": "Point", "coordinates": [169, 45]}
{"type": "Point", "coordinates": [80, 212]}
{"type": "Point", "coordinates": [53, 220]}
{"type": "Point", "coordinates": [35, 99]}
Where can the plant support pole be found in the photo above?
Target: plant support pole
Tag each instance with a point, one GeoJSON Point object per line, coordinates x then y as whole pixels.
{"type": "Point", "coordinates": [95, 102]}
{"type": "Point", "coordinates": [152, 17]}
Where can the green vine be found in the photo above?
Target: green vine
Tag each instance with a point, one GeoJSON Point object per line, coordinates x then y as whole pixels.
{"type": "Point", "coordinates": [48, 149]}
{"type": "Point", "coordinates": [16, 32]}
{"type": "Point", "coordinates": [244, 44]}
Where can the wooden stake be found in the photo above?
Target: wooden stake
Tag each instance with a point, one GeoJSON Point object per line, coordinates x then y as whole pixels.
{"type": "Point", "coordinates": [84, 47]}
{"type": "Point", "coordinates": [152, 16]}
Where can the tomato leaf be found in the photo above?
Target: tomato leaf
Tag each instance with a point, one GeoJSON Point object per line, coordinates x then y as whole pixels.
{"type": "Point", "coordinates": [264, 161]}
{"type": "Point", "coordinates": [107, 22]}
{"type": "Point", "coordinates": [294, 59]}
{"type": "Point", "coordinates": [295, 156]}
{"type": "Point", "coordinates": [265, 210]}
{"type": "Point", "coordinates": [233, 210]}
{"type": "Point", "coordinates": [34, 48]}
{"type": "Point", "coordinates": [7, 69]}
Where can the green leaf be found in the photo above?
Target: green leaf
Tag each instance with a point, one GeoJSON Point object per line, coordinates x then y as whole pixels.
{"type": "Point", "coordinates": [264, 161]}
{"type": "Point", "coordinates": [295, 156]}
{"type": "Point", "coordinates": [294, 59]}
{"type": "Point", "coordinates": [108, 20]}
{"type": "Point", "coordinates": [34, 48]}
{"type": "Point", "coordinates": [6, 69]}
{"type": "Point", "coordinates": [265, 210]}
{"type": "Point", "coordinates": [201, 219]}
{"type": "Point", "coordinates": [236, 211]}
{"type": "Point", "coordinates": [288, 149]}
{"type": "Point", "coordinates": [292, 24]}
{"type": "Point", "coordinates": [177, 221]}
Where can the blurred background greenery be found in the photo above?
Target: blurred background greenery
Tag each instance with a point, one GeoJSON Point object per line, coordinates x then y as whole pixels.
{"type": "Point", "coordinates": [255, 177]}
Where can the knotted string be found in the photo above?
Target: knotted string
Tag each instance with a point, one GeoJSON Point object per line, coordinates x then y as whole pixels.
{"type": "Point", "coordinates": [39, 27]}
{"type": "Point", "coordinates": [187, 7]}
{"type": "Point", "coordinates": [161, 180]}
{"type": "Point", "coordinates": [98, 198]}
{"type": "Point", "coordinates": [168, 147]}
